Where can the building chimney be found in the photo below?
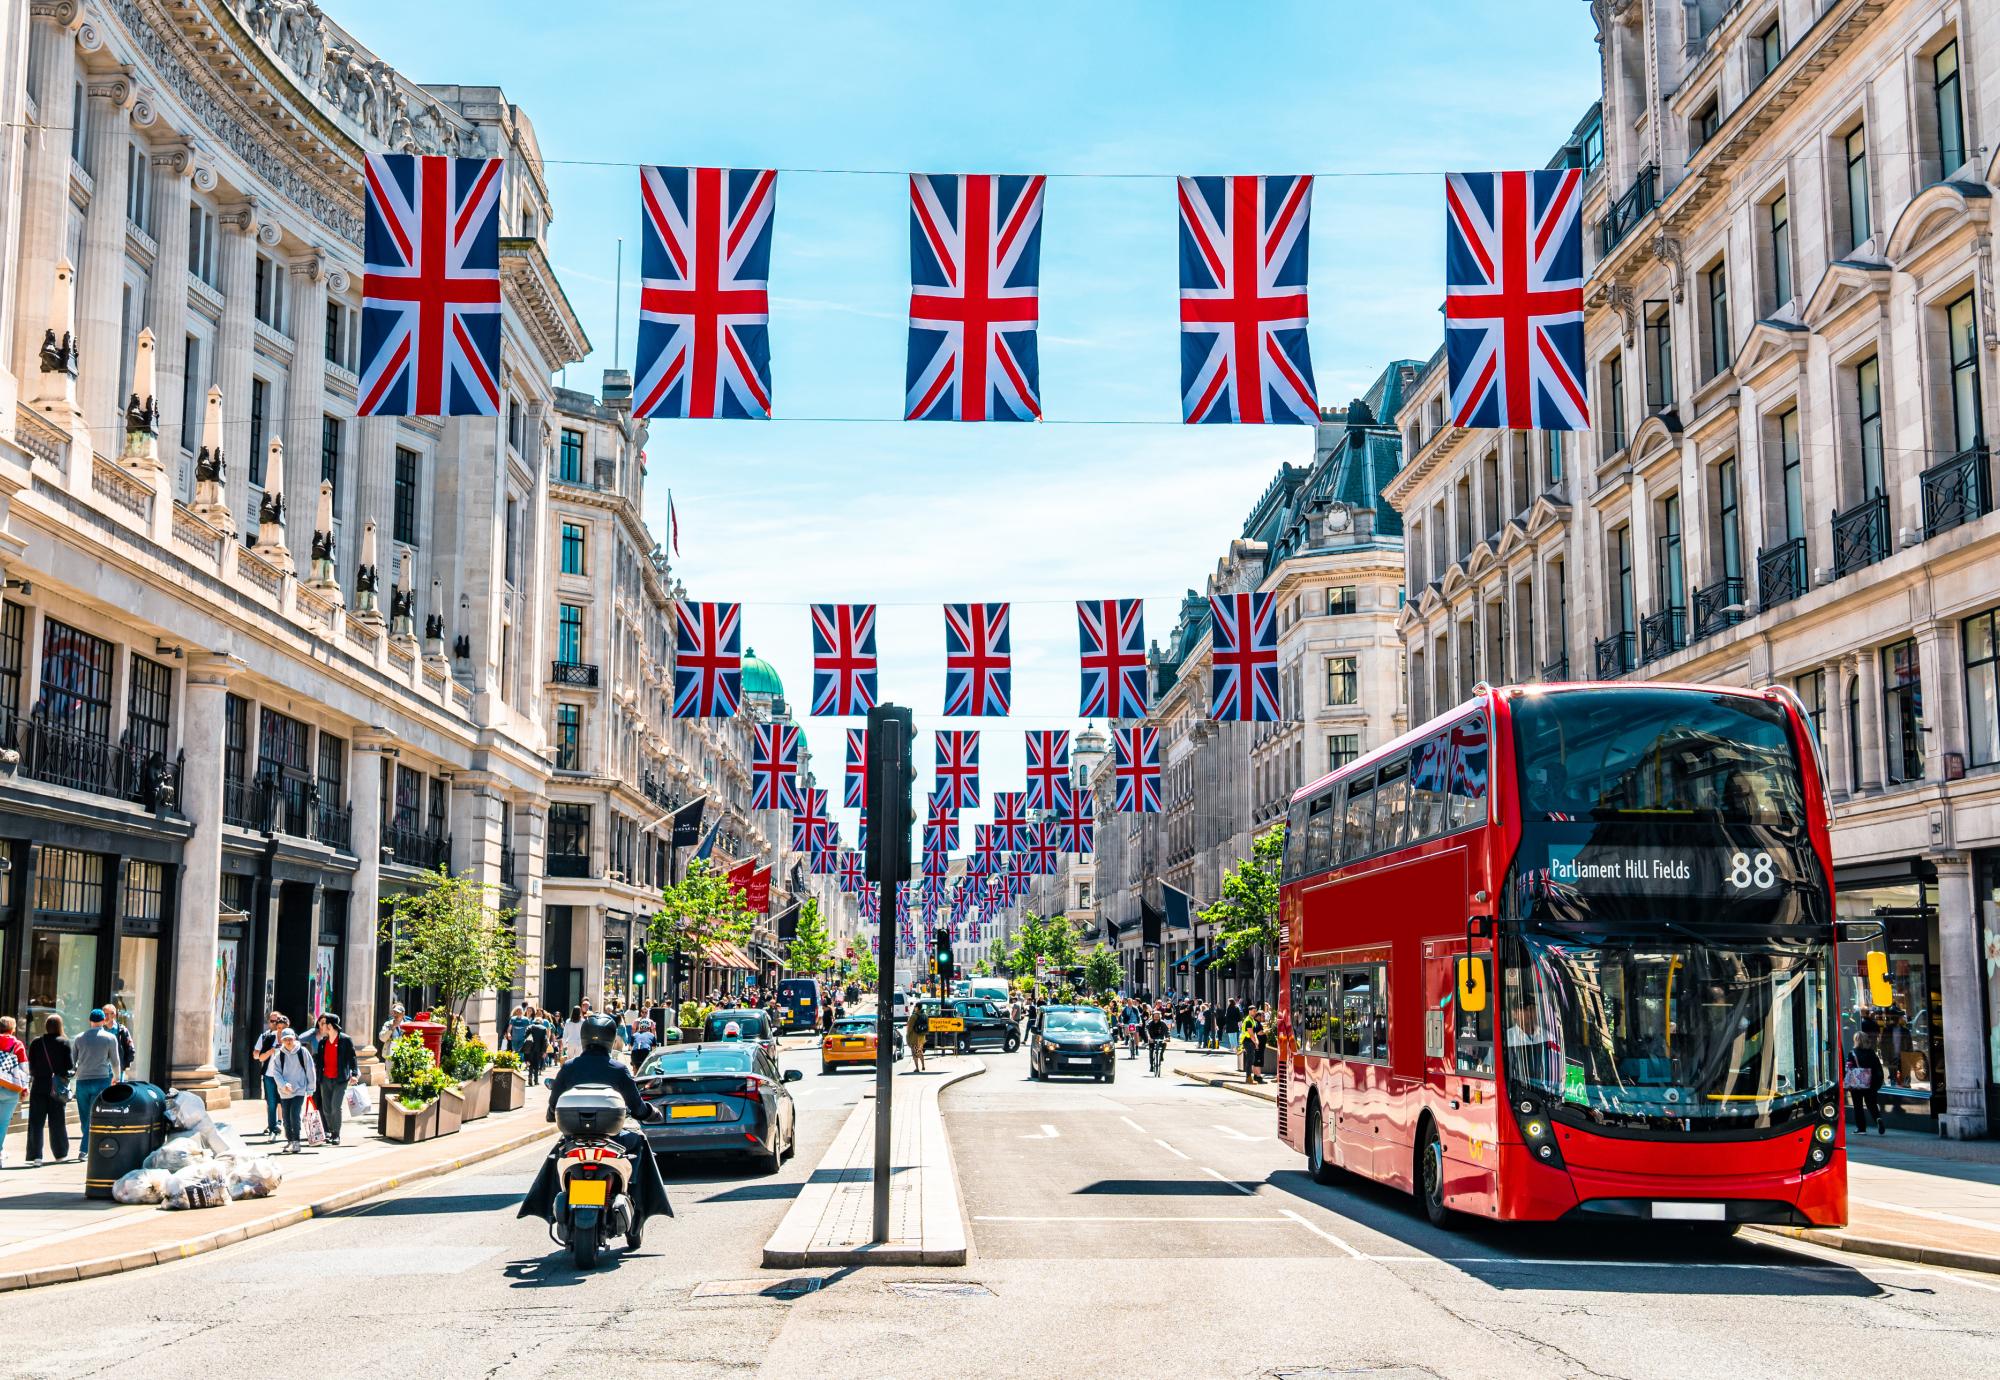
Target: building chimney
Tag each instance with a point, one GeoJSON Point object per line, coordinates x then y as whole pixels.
{"type": "Point", "coordinates": [618, 389]}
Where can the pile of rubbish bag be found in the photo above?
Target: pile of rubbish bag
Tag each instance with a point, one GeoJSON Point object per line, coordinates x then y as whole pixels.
{"type": "Point", "coordinates": [202, 1164]}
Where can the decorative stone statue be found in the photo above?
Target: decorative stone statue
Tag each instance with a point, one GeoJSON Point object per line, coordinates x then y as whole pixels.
{"type": "Point", "coordinates": [400, 134]}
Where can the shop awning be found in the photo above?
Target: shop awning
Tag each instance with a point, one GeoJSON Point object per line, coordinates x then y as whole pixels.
{"type": "Point", "coordinates": [727, 955]}
{"type": "Point", "coordinates": [763, 952]}
{"type": "Point", "coordinates": [1201, 957]}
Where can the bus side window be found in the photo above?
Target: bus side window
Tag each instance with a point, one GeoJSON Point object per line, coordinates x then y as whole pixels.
{"type": "Point", "coordinates": [1472, 1034]}
{"type": "Point", "coordinates": [1468, 772]}
{"type": "Point", "coordinates": [1360, 816]}
{"type": "Point", "coordinates": [1294, 865]}
{"type": "Point", "coordinates": [1319, 836]}
{"type": "Point", "coordinates": [1392, 805]}
{"type": "Point", "coordinates": [1427, 798]}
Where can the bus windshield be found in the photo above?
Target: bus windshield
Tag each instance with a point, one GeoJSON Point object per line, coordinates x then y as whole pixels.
{"type": "Point", "coordinates": [1649, 752]}
{"type": "Point", "coordinates": [1649, 1031]}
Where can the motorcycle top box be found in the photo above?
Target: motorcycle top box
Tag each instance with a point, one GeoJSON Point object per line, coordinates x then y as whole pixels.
{"type": "Point", "coordinates": [590, 1113]}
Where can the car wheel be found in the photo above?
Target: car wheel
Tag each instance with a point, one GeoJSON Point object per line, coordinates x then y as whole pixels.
{"type": "Point", "coordinates": [772, 1160]}
{"type": "Point", "coordinates": [1009, 1045]}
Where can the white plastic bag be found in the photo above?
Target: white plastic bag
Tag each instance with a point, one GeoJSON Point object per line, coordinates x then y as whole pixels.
{"type": "Point", "coordinates": [140, 1186]}
{"type": "Point", "coordinates": [255, 1176]}
{"type": "Point", "coordinates": [185, 1110]}
{"type": "Point", "coordinates": [203, 1183]}
{"type": "Point", "coordinates": [358, 1105]}
{"type": "Point", "coordinates": [178, 1152]}
{"type": "Point", "coordinates": [221, 1139]}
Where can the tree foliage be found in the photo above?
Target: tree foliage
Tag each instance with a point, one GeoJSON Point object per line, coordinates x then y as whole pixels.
{"type": "Point", "coordinates": [866, 971]}
{"type": "Point", "coordinates": [1102, 972]}
{"type": "Point", "coordinates": [697, 912]}
{"type": "Point", "coordinates": [447, 937]}
{"type": "Point", "coordinates": [1247, 915]}
{"type": "Point", "coordinates": [1050, 937]}
{"type": "Point", "coordinates": [811, 952]}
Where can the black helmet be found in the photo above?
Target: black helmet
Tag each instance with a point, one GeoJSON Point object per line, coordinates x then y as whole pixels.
{"type": "Point", "coordinates": [599, 1030]}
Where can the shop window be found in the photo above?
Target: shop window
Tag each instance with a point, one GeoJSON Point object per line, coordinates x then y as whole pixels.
{"type": "Point", "coordinates": [69, 885]}
{"type": "Point", "coordinates": [1902, 712]}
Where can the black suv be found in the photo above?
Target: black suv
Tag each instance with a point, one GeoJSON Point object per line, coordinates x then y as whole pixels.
{"type": "Point", "coordinates": [1072, 1039]}
{"type": "Point", "coordinates": [986, 1023]}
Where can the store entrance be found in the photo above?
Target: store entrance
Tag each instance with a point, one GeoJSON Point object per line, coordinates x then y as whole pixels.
{"type": "Point", "coordinates": [1908, 1033]}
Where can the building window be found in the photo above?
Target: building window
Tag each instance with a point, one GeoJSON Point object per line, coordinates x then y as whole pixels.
{"type": "Point", "coordinates": [1811, 688]}
{"type": "Point", "coordinates": [79, 123]}
{"type": "Point", "coordinates": [569, 634]}
{"type": "Point", "coordinates": [1963, 344]}
{"type": "Point", "coordinates": [1728, 517]}
{"type": "Point", "coordinates": [409, 797]}
{"type": "Point", "coordinates": [439, 795]}
{"type": "Point", "coordinates": [1341, 599]}
{"type": "Point", "coordinates": [1780, 229]}
{"type": "Point", "coordinates": [1707, 121]}
{"type": "Point", "coordinates": [335, 321]}
{"type": "Point", "coordinates": [1672, 572]}
{"type": "Point", "coordinates": [260, 417]}
{"type": "Point", "coordinates": [70, 883]}
{"type": "Point", "coordinates": [270, 294]}
{"type": "Point", "coordinates": [1659, 356]}
{"type": "Point", "coordinates": [1903, 711]}
{"type": "Point", "coordinates": [331, 767]}
{"type": "Point", "coordinates": [235, 737]}
{"type": "Point", "coordinates": [13, 661]}
{"type": "Point", "coordinates": [569, 737]}
{"type": "Point", "coordinates": [1948, 106]}
{"type": "Point", "coordinates": [572, 548]}
{"type": "Point", "coordinates": [405, 529]}
{"type": "Point", "coordinates": [201, 243]}
{"type": "Point", "coordinates": [144, 891]}
{"type": "Point", "coordinates": [194, 400]}
{"type": "Point", "coordinates": [1341, 681]}
{"type": "Point", "coordinates": [1859, 224]}
{"type": "Point", "coordinates": [1341, 749]}
{"type": "Point", "coordinates": [1770, 49]}
{"type": "Point", "coordinates": [1623, 593]}
{"type": "Point", "coordinates": [1868, 404]}
{"type": "Point", "coordinates": [514, 422]}
{"type": "Point", "coordinates": [76, 679]}
{"type": "Point", "coordinates": [569, 829]}
{"type": "Point", "coordinates": [1791, 475]}
{"type": "Point", "coordinates": [139, 188]}
{"type": "Point", "coordinates": [1552, 458]}
{"type": "Point", "coordinates": [1981, 634]}
{"type": "Point", "coordinates": [150, 706]}
{"type": "Point", "coordinates": [1721, 349]}
{"type": "Point", "coordinates": [569, 462]}
{"type": "Point", "coordinates": [1614, 387]}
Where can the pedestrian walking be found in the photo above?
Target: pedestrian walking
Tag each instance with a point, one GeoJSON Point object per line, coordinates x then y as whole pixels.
{"type": "Point", "coordinates": [1864, 1083]}
{"type": "Point", "coordinates": [261, 1052]}
{"type": "Point", "coordinates": [572, 1031]}
{"type": "Point", "coordinates": [391, 1031]}
{"type": "Point", "coordinates": [13, 1078]}
{"type": "Point", "coordinates": [535, 1048]}
{"type": "Point", "coordinates": [335, 1069]}
{"type": "Point", "coordinates": [97, 1068]}
{"type": "Point", "coordinates": [517, 1026]}
{"type": "Point", "coordinates": [291, 1070]}
{"type": "Point", "coordinates": [128, 1053]}
{"type": "Point", "coordinates": [915, 1033]}
{"type": "Point", "coordinates": [1232, 1023]}
{"type": "Point", "coordinates": [51, 1066]}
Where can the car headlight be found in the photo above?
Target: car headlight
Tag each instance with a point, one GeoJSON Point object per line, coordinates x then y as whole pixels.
{"type": "Point", "coordinates": [1050, 1046]}
{"type": "Point", "coordinates": [1105, 1048]}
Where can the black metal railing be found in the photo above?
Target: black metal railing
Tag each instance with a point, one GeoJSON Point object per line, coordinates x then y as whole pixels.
{"type": "Point", "coordinates": [569, 864]}
{"type": "Point", "coordinates": [1861, 535]}
{"type": "Point", "coordinates": [296, 797]}
{"type": "Point", "coordinates": [1956, 491]}
{"type": "Point", "coordinates": [414, 846]}
{"type": "Point", "coordinates": [1638, 201]}
{"type": "Point", "coordinates": [656, 789]}
{"type": "Point", "coordinates": [1718, 605]}
{"type": "Point", "coordinates": [1781, 572]}
{"type": "Point", "coordinates": [333, 825]}
{"type": "Point", "coordinates": [506, 866]}
{"type": "Point", "coordinates": [59, 755]}
{"type": "Point", "coordinates": [246, 804]}
{"type": "Point", "coordinates": [573, 673]}
{"type": "Point", "coordinates": [1663, 633]}
{"type": "Point", "coordinates": [1557, 670]}
{"type": "Point", "coordinates": [1614, 655]}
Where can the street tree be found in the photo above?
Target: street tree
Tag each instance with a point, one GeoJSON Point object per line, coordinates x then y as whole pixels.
{"type": "Point", "coordinates": [866, 971]}
{"type": "Point", "coordinates": [697, 912]}
{"type": "Point", "coordinates": [1246, 918]}
{"type": "Point", "coordinates": [447, 937]}
{"type": "Point", "coordinates": [1102, 971]}
{"type": "Point", "coordinates": [811, 952]}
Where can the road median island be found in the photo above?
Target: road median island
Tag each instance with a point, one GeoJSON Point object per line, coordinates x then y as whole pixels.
{"type": "Point", "coordinates": [1219, 1078]}
{"type": "Point", "coordinates": [832, 1219]}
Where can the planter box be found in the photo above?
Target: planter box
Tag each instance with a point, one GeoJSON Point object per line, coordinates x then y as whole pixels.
{"type": "Point", "coordinates": [510, 1089]}
{"type": "Point", "coordinates": [451, 1111]}
{"type": "Point", "coordinates": [395, 1122]}
{"type": "Point", "coordinates": [478, 1095]}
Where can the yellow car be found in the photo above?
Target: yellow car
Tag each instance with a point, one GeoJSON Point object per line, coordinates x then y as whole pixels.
{"type": "Point", "coordinates": [851, 1041]}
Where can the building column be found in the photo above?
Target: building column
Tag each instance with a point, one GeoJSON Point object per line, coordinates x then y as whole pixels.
{"type": "Point", "coordinates": [474, 819]}
{"type": "Point", "coordinates": [1941, 663]}
{"type": "Point", "coordinates": [101, 275]}
{"type": "Point", "coordinates": [1962, 968]}
{"type": "Point", "coordinates": [166, 298]}
{"type": "Point", "coordinates": [1835, 715]}
{"type": "Point", "coordinates": [191, 1042]}
{"type": "Point", "coordinates": [367, 759]}
{"type": "Point", "coordinates": [530, 825]}
{"type": "Point", "coordinates": [237, 268]}
{"type": "Point", "coordinates": [44, 209]}
{"type": "Point", "coordinates": [370, 493]}
{"type": "Point", "coordinates": [1869, 670]}
{"type": "Point", "coordinates": [305, 394]}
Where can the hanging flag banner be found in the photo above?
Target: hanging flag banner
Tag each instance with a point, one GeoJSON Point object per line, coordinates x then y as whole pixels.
{"type": "Point", "coordinates": [708, 660]}
{"type": "Point", "coordinates": [1243, 657]}
{"type": "Point", "coordinates": [1076, 829]}
{"type": "Point", "coordinates": [843, 659]}
{"type": "Point", "coordinates": [975, 273]}
{"type": "Point", "coordinates": [430, 287]}
{"type": "Point", "coordinates": [704, 295]}
{"type": "Point", "coordinates": [1244, 356]}
{"type": "Point", "coordinates": [958, 767]}
{"type": "Point", "coordinates": [978, 660]}
{"type": "Point", "coordinates": [856, 795]}
{"type": "Point", "coordinates": [1111, 642]}
{"type": "Point", "coordinates": [774, 768]}
{"type": "Point", "coordinates": [739, 877]}
{"type": "Point", "coordinates": [1135, 769]}
{"type": "Point", "coordinates": [1513, 299]}
{"type": "Point", "coordinates": [758, 895]}
{"type": "Point", "coordinates": [687, 823]}
{"type": "Point", "coordinates": [809, 820]}
{"type": "Point", "coordinates": [1010, 822]}
{"type": "Point", "coordinates": [1048, 769]}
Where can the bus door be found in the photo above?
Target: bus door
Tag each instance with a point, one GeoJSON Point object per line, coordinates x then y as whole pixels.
{"type": "Point", "coordinates": [1458, 1066]}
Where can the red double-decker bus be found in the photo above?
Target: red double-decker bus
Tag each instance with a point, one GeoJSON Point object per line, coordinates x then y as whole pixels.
{"type": "Point", "coordinates": [1568, 952]}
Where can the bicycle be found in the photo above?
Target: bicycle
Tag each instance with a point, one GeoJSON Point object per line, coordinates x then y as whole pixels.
{"type": "Point", "coordinates": [1132, 1041]}
{"type": "Point", "coordinates": [1156, 1052]}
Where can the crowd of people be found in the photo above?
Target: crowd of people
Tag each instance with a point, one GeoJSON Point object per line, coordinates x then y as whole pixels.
{"type": "Point", "coordinates": [55, 1069]}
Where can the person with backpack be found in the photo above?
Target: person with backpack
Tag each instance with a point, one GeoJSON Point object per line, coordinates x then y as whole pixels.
{"type": "Point", "coordinates": [535, 1047]}
{"type": "Point", "coordinates": [14, 1077]}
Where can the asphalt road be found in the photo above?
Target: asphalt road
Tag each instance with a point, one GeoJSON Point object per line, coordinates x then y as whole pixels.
{"type": "Point", "coordinates": [1150, 1227]}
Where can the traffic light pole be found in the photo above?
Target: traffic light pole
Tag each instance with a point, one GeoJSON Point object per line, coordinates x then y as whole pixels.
{"type": "Point", "coordinates": [889, 829]}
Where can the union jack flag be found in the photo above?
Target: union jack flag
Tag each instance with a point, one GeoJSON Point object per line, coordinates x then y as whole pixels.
{"type": "Point", "coordinates": [1020, 867]}
{"type": "Point", "coordinates": [871, 909]}
{"type": "Point", "coordinates": [856, 795]}
{"type": "Point", "coordinates": [1042, 849]}
{"type": "Point", "coordinates": [941, 836]}
{"type": "Point", "coordinates": [704, 295]}
{"type": "Point", "coordinates": [1075, 824]}
{"type": "Point", "coordinates": [1243, 657]}
{"type": "Point", "coordinates": [708, 660]}
{"type": "Point", "coordinates": [1513, 299]}
{"type": "Point", "coordinates": [958, 766]}
{"type": "Point", "coordinates": [774, 768]}
{"type": "Point", "coordinates": [941, 814]}
{"type": "Point", "coordinates": [851, 869]}
{"type": "Point", "coordinates": [1136, 769]}
{"type": "Point", "coordinates": [1048, 769]}
{"type": "Point", "coordinates": [935, 861]}
{"type": "Point", "coordinates": [1010, 821]}
{"type": "Point", "coordinates": [825, 861]}
{"type": "Point", "coordinates": [978, 660]}
{"type": "Point", "coordinates": [430, 287]}
{"type": "Point", "coordinates": [809, 820]}
{"type": "Point", "coordinates": [975, 268]}
{"type": "Point", "coordinates": [843, 659]}
{"type": "Point", "coordinates": [1243, 300]}
{"type": "Point", "coordinates": [979, 861]}
{"type": "Point", "coordinates": [1111, 636]}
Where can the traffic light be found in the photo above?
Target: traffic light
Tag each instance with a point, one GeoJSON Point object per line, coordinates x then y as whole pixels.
{"type": "Point", "coordinates": [943, 963]}
{"type": "Point", "coordinates": [891, 777]}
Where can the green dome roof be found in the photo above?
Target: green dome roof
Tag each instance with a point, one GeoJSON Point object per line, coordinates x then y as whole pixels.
{"type": "Point", "coordinates": [760, 677]}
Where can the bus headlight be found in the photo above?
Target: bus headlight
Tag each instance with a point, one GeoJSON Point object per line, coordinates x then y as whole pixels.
{"type": "Point", "coordinates": [1819, 1145]}
{"type": "Point", "coordinates": [1540, 1134]}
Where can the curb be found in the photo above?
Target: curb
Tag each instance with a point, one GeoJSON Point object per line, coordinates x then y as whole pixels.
{"type": "Point", "coordinates": [1221, 1080]}
{"type": "Point", "coordinates": [785, 1251]}
{"type": "Point", "coordinates": [260, 1226]}
{"type": "Point", "coordinates": [1890, 1250]}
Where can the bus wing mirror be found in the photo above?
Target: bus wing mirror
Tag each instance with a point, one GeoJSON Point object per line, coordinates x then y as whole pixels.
{"type": "Point", "coordinates": [1860, 931]}
{"type": "Point", "coordinates": [1879, 990]}
{"type": "Point", "coordinates": [1472, 984]}
{"type": "Point", "coordinates": [1478, 926]}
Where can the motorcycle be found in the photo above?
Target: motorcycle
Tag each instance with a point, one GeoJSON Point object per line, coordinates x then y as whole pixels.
{"type": "Point", "coordinates": [594, 1173]}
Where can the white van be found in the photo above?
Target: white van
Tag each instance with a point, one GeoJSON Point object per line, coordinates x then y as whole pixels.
{"type": "Point", "coordinates": [991, 989]}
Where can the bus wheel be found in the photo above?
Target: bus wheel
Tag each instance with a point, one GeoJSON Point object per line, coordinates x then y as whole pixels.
{"type": "Point", "coordinates": [1430, 1179]}
{"type": "Point", "coordinates": [1317, 1164]}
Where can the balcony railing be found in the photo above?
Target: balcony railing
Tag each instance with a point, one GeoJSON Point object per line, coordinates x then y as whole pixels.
{"type": "Point", "coordinates": [1717, 606]}
{"type": "Point", "coordinates": [569, 864]}
{"type": "Point", "coordinates": [573, 673]}
{"type": "Point", "coordinates": [1614, 655]}
{"type": "Point", "coordinates": [1956, 491]}
{"type": "Point", "coordinates": [1861, 535]}
{"type": "Point", "coordinates": [59, 755]}
{"type": "Point", "coordinates": [1663, 633]}
{"type": "Point", "coordinates": [413, 846]}
{"type": "Point", "coordinates": [333, 825]}
{"type": "Point", "coordinates": [1781, 572]}
{"type": "Point", "coordinates": [1557, 670]}
{"type": "Point", "coordinates": [1631, 208]}
{"type": "Point", "coordinates": [506, 866]}
{"type": "Point", "coordinates": [246, 804]}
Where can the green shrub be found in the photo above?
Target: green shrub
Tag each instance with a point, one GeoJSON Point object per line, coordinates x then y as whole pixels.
{"type": "Point", "coordinates": [409, 1056]}
{"type": "Point", "coordinates": [426, 1086]}
{"type": "Point", "coordinates": [468, 1059]}
{"type": "Point", "coordinates": [506, 1059]}
{"type": "Point", "coordinates": [694, 1015]}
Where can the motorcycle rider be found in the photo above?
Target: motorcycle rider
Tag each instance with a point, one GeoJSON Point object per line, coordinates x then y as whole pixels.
{"type": "Point", "coordinates": [596, 1066]}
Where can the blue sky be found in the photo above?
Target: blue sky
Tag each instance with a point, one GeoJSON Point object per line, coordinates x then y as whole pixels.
{"type": "Point", "coordinates": [1115, 499]}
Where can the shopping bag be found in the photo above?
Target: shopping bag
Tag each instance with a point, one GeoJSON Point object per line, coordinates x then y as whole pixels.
{"type": "Point", "coordinates": [310, 1124]}
{"type": "Point", "coordinates": [357, 1102]}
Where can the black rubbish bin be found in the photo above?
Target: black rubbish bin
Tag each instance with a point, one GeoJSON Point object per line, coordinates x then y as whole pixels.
{"type": "Point", "coordinates": [128, 1123]}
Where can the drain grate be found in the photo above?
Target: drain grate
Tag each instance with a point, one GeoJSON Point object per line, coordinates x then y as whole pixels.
{"type": "Point", "coordinates": [940, 1289]}
{"type": "Point", "coordinates": [757, 1288]}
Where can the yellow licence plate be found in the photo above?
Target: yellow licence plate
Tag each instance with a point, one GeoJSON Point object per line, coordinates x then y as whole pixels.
{"type": "Point", "coordinates": [586, 1192]}
{"type": "Point", "coordinates": [692, 1109]}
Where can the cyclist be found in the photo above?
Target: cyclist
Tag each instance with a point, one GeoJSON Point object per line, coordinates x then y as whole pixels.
{"type": "Point", "coordinates": [1156, 1040]}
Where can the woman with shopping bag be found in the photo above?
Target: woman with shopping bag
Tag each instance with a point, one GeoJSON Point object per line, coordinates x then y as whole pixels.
{"type": "Point", "coordinates": [14, 1077]}
{"type": "Point", "coordinates": [291, 1070]}
{"type": "Point", "coordinates": [335, 1066]}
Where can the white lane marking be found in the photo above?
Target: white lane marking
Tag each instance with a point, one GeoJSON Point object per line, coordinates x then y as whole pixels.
{"type": "Point", "coordinates": [1926, 1212]}
{"type": "Point", "coordinates": [1251, 1192]}
{"type": "Point", "coordinates": [1047, 1132]}
{"type": "Point", "coordinates": [1133, 1124]}
{"type": "Point", "coordinates": [1164, 1146]}
{"type": "Point", "coordinates": [1320, 1231]}
{"type": "Point", "coordinates": [1257, 1221]}
{"type": "Point", "coordinates": [1235, 1134]}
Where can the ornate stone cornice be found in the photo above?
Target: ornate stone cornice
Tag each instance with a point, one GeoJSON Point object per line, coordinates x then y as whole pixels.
{"type": "Point", "coordinates": [175, 159]}
{"type": "Point", "coordinates": [66, 13]}
{"type": "Point", "coordinates": [115, 85]}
